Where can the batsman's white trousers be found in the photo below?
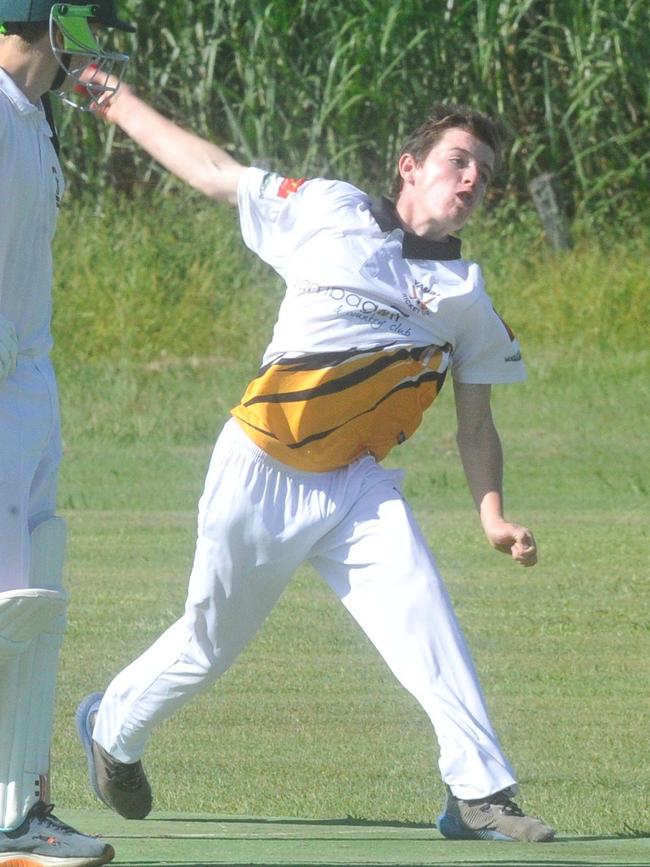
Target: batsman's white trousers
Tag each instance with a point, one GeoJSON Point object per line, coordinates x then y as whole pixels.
{"type": "Point", "coordinates": [258, 520]}
{"type": "Point", "coordinates": [32, 621]}
{"type": "Point", "coordinates": [30, 454]}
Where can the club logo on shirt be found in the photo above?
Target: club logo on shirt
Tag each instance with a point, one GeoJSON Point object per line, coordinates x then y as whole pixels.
{"type": "Point", "coordinates": [352, 305]}
{"type": "Point", "coordinates": [422, 299]}
{"type": "Point", "coordinates": [289, 186]}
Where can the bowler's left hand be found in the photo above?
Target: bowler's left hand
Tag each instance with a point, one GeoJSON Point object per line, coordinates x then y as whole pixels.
{"type": "Point", "coordinates": [513, 539]}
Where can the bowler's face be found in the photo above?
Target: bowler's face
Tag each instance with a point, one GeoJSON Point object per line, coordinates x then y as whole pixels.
{"type": "Point", "coordinates": [440, 195]}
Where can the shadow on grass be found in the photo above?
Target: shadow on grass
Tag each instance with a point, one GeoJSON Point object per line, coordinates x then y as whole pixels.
{"type": "Point", "coordinates": [348, 822]}
{"type": "Point", "coordinates": [628, 833]}
{"type": "Point", "coordinates": [558, 859]}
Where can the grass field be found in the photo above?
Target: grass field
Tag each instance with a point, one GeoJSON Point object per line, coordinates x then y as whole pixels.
{"type": "Point", "coordinates": [309, 724]}
{"type": "Point", "coordinates": [307, 751]}
{"type": "Point", "coordinates": [240, 841]}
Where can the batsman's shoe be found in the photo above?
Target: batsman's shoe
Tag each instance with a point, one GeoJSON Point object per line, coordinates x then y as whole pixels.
{"type": "Point", "coordinates": [121, 786]}
{"type": "Point", "coordinates": [493, 818]}
{"type": "Point", "coordinates": [44, 841]}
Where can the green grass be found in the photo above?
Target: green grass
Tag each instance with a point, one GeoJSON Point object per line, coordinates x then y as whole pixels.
{"type": "Point", "coordinates": [243, 841]}
{"type": "Point", "coordinates": [161, 318]}
{"type": "Point", "coordinates": [168, 278]}
{"type": "Point", "coordinates": [308, 722]}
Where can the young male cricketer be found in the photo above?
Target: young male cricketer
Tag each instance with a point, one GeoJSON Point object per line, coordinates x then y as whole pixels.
{"type": "Point", "coordinates": [43, 45]}
{"type": "Point", "coordinates": [379, 307]}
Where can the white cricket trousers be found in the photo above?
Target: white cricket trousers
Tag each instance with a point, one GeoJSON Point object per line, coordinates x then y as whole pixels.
{"type": "Point", "coordinates": [30, 453]}
{"type": "Point", "coordinates": [258, 520]}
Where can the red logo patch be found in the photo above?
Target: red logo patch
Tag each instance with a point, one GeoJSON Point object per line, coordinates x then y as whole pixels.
{"type": "Point", "coordinates": [289, 186]}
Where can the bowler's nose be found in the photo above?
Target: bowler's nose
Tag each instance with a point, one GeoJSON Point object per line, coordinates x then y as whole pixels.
{"type": "Point", "coordinates": [470, 176]}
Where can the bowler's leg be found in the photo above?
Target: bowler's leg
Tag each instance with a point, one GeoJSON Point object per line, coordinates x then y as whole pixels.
{"type": "Point", "coordinates": [239, 572]}
{"type": "Point", "coordinates": [257, 522]}
{"type": "Point", "coordinates": [221, 617]}
{"type": "Point", "coordinates": [378, 563]}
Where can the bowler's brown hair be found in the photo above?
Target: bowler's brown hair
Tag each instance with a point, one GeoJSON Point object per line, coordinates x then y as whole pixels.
{"type": "Point", "coordinates": [446, 116]}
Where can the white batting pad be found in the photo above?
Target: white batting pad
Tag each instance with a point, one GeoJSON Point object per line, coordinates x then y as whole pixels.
{"type": "Point", "coordinates": [32, 623]}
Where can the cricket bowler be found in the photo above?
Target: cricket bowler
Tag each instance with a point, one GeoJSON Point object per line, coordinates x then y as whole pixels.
{"type": "Point", "coordinates": [380, 310]}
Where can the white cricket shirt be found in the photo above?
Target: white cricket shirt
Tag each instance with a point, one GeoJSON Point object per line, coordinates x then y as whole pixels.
{"type": "Point", "coordinates": [31, 188]}
{"type": "Point", "coordinates": [371, 321]}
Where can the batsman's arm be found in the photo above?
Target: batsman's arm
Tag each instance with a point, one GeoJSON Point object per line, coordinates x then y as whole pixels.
{"type": "Point", "coordinates": [200, 163]}
{"type": "Point", "coordinates": [480, 451]}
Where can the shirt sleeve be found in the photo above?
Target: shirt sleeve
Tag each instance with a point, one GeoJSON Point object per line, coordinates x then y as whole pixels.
{"type": "Point", "coordinates": [486, 351]}
{"type": "Point", "coordinates": [277, 214]}
{"type": "Point", "coordinates": [271, 214]}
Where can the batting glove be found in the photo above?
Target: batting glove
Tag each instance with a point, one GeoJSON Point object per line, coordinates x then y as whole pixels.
{"type": "Point", "coordinates": [8, 348]}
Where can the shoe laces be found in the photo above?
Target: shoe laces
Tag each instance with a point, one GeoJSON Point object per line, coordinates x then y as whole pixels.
{"type": "Point", "coordinates": [43, 812]}
{"type": "Point", "coordinates": [508, 807]}
{"type": "Point", "coordinates": [129, 777]}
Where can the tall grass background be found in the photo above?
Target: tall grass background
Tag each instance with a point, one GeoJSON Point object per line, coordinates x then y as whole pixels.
{"type": "Point", "coordinates": [332, 88]}
{"type": "Point", "coordinates": [144, 294]}
{"type": "Point", "coordinates": [149, 273]}
{"type": "Point", "coordinates": [161, 316]}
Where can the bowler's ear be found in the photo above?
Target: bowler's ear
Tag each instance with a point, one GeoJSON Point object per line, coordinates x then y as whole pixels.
{"type": "Point", "coordinates": [406, 165]}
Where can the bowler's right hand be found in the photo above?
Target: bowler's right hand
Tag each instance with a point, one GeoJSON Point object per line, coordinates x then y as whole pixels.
{"type": "Point", "coordinates": [104, 101]}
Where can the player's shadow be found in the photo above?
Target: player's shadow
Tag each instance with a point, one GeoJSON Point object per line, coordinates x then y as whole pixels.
{"type": "Point", "coordinates": [627, 833]}
{"type": "Point", "coordinates": [348, 822]}
{"type": "Point", "coordinates": [354, 822]}
{"type": "Point", "coordinates": [311, 823]}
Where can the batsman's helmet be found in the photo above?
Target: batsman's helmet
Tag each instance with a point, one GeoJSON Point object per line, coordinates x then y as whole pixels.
{"type": "Point", "coordinates": [103, 12]}
{"type": "Point", "coordinates": [76, 37]}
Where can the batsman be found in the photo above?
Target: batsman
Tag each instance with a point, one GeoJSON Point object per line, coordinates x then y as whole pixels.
{"type": "Point", "coordinates": [44, 47]}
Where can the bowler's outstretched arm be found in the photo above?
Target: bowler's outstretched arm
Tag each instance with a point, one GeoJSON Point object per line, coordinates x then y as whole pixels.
{"type": "Point", "coordinates": [196, 161]}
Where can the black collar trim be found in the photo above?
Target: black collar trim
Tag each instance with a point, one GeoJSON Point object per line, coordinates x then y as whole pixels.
{"type": "Point", "coordinates": [413, 246]}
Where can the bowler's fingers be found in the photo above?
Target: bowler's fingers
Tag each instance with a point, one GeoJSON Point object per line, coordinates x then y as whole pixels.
{"type": "Point", "coordinates": [524, 547]}
{"type": "Point", "coordinates": [98, 86]}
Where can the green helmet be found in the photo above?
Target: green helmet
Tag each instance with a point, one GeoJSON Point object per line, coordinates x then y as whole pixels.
{"type": "Point", "coordinates": [96, 72]}
{"type": "Point", "coordinates": [103, 12]}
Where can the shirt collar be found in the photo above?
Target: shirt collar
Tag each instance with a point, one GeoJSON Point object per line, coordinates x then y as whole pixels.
{"type": "Point", "coordinates": [413, 246]}
{"type": "Point", "coordinates": [15, 95]}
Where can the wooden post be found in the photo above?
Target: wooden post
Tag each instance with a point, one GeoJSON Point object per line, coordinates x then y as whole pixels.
{"type": "Point", "coordinates": [543, 189]}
